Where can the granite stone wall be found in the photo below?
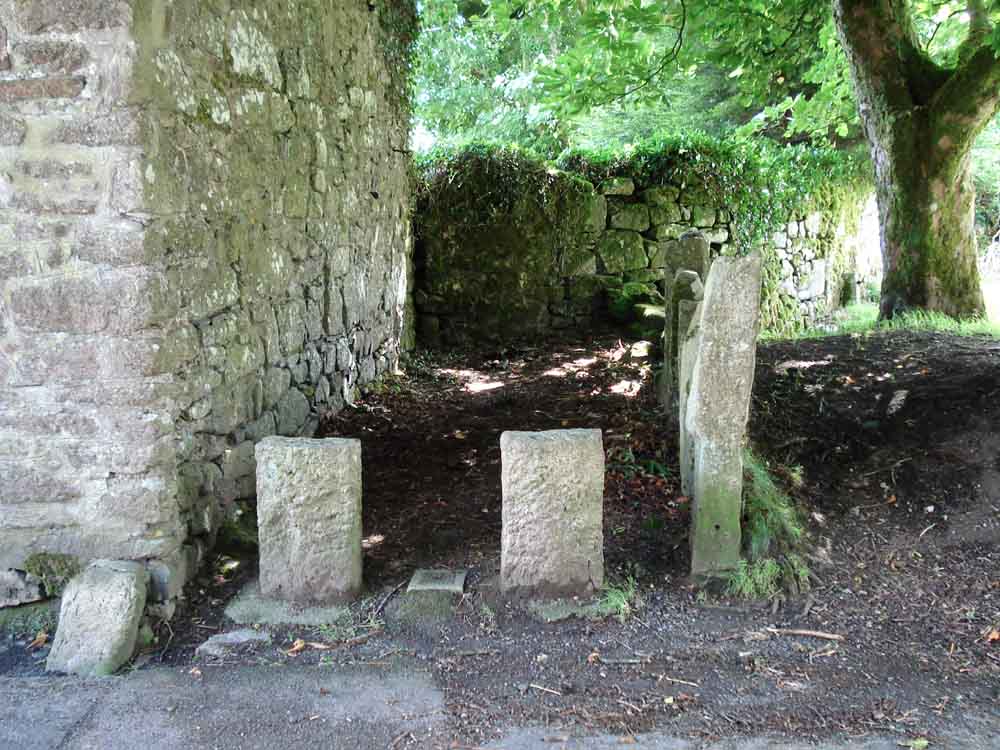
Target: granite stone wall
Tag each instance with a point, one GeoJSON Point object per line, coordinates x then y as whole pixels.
{"type": "Point", "coordinates": [204, 240]}
{"type": "Point", "coordinates": [552, 258]}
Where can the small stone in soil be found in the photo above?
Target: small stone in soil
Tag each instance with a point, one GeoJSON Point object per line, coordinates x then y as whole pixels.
{"type": "Point", "coordinates": [222, 644]}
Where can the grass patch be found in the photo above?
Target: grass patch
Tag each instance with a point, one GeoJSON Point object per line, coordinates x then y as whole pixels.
{"type": "Point", "coordinates": [620, 600]}
{"type": "Point", "coordinates": [773, 537]}
{"type": "Point", "coordinates": [863, 319]}
{"type": "Point", "coordinates": [30, 619]}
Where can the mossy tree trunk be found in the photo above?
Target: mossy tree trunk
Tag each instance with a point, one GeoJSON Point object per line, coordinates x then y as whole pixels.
{"type": "Point", "coordinates": [921, 120]}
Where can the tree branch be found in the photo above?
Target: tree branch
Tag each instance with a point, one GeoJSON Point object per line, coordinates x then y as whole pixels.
{"type": "Point", "coordinates": [968, 101]}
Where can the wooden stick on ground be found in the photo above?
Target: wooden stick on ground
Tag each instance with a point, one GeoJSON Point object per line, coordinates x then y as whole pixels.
{"type": "Point", "coordinates": [805, 633]}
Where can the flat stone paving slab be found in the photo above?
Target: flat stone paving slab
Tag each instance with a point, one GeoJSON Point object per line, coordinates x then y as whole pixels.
{"type": "Point", "coordinates": [425, 579]}
{"type": "Point", "coordinates": [249, 607]}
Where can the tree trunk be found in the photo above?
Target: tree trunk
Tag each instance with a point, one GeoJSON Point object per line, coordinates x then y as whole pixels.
{"type": "Point", "coordinates": [921, 121]}
{"type": "Point", "coordinates": [927, 210]}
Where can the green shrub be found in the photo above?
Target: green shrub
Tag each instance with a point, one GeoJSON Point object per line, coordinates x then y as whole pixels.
{"type": "Point", "coordinates": [774, 536]}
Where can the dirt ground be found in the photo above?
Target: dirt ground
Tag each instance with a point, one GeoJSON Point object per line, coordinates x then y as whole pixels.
{"type": "Point", "coordinates": [897, 438]}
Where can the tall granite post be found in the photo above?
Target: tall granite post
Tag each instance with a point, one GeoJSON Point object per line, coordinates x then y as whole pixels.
{"type": "Point", "coordinates": [553, 513]}
{"type": "Point", "coordinates": [717, 409]}
{"type": "Point", "coordinates": [309, 519]}
{"type": "Point", "coordinates": [686, 256]}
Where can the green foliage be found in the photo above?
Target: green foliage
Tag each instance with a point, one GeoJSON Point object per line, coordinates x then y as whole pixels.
{"type": "Point", "coordinates": [620, 600]}
{"type": "Point", "coordinates": [29, 619]}
{"type": "Point", "coordinates": [774, 536]}
{"type": "Point", "coordinates": [862, 319]}
{"type": "Point", "coordinates": [763, 183]}
{"type": "Point", "coordinates": [491, 176]}
{"type": "Point", "coordinates": [54, 570]}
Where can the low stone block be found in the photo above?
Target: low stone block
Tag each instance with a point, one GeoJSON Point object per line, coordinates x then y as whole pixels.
{"type": "Point", "coordinates": [451, 581]}
{"type": "Point", "coordinates": [553, 509]}
{"type": "Point", "coordinates": [718, 406]}
{"type": "Point", "coordinates": [99, 619]}
{"type": "Point", "coordinates": [309, 519]}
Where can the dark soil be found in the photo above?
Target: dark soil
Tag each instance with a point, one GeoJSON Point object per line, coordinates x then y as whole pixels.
{"type": "Point", "coordinates": [902, 496]}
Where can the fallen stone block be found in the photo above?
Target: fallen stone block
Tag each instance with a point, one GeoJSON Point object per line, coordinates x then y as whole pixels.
{"type": "Point", "coordinates": [99, 619]}
{"type": "Point", "coordinates": [553, 513]}
{"type": "Point", "coordinates": [309, 519]}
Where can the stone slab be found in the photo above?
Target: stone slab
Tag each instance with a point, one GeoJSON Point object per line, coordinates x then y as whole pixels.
{"type": "Point", "coordinates": [99, 619]}
{"type": "Point", "coordinates": [249, 607]}
{"type": "Point", "coordinates": [718, 406]}
{"type": "Point", "coordinates": [552, 542]}
{"type": "Point", "coordinates": [452, 581]}
{"type": "Point", "coordinates": [309, 519]}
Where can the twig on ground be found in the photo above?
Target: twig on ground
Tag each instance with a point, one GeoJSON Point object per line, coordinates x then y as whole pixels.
{"type": "Point", "coordinates": [680, 682]}
{"type": "Point", "coordinates": [926, 530]}
{"type": "Point", "coordinates": [380, 607]}
{"type": "Point", "coordinates": [545, 689]}
{"type": "Point", "coordinates": [805, 633]}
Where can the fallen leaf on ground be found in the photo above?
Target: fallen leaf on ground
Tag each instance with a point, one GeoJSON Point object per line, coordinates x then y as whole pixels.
{"type": "Point", "coordinates": [298, 646]}
{"type": "Point", "coordinates": [40, 640]}
{"type": "Point", "coordinates": [993, 636]}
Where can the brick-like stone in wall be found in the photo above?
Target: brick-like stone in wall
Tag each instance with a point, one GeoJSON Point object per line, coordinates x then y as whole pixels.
{"type": "Point", "coordinates": [4, 51]}
{"type": "Point", "coordinates": [12, 130]}
{"type": "Point", "coordinates": [114, 302]}
{"type": "Point", "coordinates": [52, 57]}
{"type": "Point", "coordinates": [38, 16]}
{"type": "Point", "coordinates": [58, 87]}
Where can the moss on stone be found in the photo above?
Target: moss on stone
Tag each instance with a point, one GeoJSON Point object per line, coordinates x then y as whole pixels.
{"type": "Point", "coordinates": [54, 570]}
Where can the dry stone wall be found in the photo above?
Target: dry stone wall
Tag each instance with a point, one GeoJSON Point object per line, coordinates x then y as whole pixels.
{"type": "Point", "coordinates": [552, 258]}
{"type": "Point", "coordinates": [204, 239]}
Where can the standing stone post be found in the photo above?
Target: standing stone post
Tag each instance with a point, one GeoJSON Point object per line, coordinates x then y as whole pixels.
{"type": "Point", "coordinates": [309, 519]}
{"type": "Point", "coordinates": [718, 406]}
{"type": "Point", "coordinates": [689, 325]}
{"type": "Point", "coordinates": [685, 288]}
{"type": "Point", "coordinates": [553, 513]}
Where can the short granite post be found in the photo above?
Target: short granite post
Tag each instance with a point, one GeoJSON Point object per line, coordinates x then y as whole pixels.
{"type": "Point", "coordinates": [309, 519]}
{"type": "Point", "coordinates": [99, 619]}
{"type": "Point", "coordinates": [718, 406]}
{"type": "Point", "coordinates": [553, 513]}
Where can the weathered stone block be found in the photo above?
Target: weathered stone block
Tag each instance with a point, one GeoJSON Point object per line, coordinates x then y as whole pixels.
{"type": "Point", "coordinates": [17, 587]}
{"type": "Point", "coordinates": [703, 216]}
{"type": "Point", "coordinates": [665, 195]}
{"type": "Point", "coordinates": [717, 410]}
{"type": "Point", "coordinates": [622, 250]}
{"type": "Point", "coordinates": [617, 186]}
{"type": "Point", "coordinates": [634, 216]}
{"type": "Point", "coordinates": [72, 15]}
{"type": "Point", "coordinates": [309, 519]}
{"type": "Point", "coordinates": [553, 509]}
{"type": "Point", "coordinates": [52, 57]}
{"type": "Point", "coordinates": [58, 87]}
{"type": "Point", "coordinates": [99, 619]}
{"type": "Point", "coordinates": [666, 213]}
{"type": "Point", "coordinates": [12, 130]}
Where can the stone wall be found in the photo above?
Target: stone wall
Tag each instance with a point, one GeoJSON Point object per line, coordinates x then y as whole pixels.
{"type": "Point", "coordinates": [492, 268]}
{"type": "Point", "coordinates": [204, 239]}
